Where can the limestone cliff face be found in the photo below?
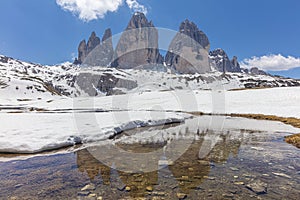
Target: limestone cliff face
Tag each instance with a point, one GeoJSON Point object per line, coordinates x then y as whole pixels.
{"type": "Point", "coordinates": [102, 54]}
{"type": "Point", "coordinates": [138, 45]}
{"type": "Point", "coordinates": [190, 29]}
{"type": "Point", "coordinates": [188, 51]}
{"type": "Point", "coordinates": [96, 52]}
{"type": "Point", "coordinates": [82, 52]}
{"type": "Point", "coordinates": [93, 42]}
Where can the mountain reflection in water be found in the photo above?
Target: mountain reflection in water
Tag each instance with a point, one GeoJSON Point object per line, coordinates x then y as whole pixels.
{"type": "Point", "coordinates": [203, 158]}
{"type": "Point", "coordinates": [183, 175]}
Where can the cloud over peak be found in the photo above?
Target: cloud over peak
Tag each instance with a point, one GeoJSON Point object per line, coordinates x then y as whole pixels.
{"type": "Point", "coordinates": [136, 7]}
{"type": "Point", "coordinates": [88, 10]}
{"type": "Point", "coordinates": [272, 62]}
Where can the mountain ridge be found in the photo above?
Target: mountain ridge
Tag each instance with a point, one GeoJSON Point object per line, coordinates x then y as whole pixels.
{"type": "Point", "coordinates": [23, 80]}
{"type": "Point", "coordinates": [135, 65]}
{"type": "Point", "coordinates": [138, 47]}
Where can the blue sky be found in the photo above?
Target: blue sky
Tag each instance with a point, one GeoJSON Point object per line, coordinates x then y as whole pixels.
{"type": "Point", "coordinates": [42, 31]}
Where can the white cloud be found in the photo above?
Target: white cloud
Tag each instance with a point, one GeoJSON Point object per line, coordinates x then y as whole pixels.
{"type": "Point", "coordinates": [136, 7]}
{"type": "Point", "coordinates": [272, 62]}
{"type": "Point", "coordinates": [88, 10]}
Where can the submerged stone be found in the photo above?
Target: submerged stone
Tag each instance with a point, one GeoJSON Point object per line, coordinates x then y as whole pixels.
{"type": "Point", "coordinates": [88, 187]}
{"type": "Point", "coordinates": [181, 195]}
{"type": "Point", "coordinates": [258, 187]}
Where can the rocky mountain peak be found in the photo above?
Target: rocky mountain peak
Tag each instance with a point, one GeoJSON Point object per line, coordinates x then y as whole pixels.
{"type": "Point", "coordinates": [92, 42]}
{"type": "Point", "coordinates": [256, 71]}
{"type": "Point", "coordinates": [188, 51]}
{"type": "Point", "coordinates": [186, 26]}
{"type": "Point", "coordinates": [139, 20]}
{"type": "Point", "coordinates": [82, 52]}
{"type": "Point", "coordinates": [220, 61]}
{"type": "Point", "coordinates": [219, 52]}
{"type": "Point", "coordinates": [107, 35]}
{"type": "Point", "coordinates": [235, 62]}
{"type": "Point", "coordinates": [101, 53]}
{"type": "Point", "coordinates": [191, 29]}
{"type": "Point", "coordinates": [96, 52]}
{"type": "Point", "coordinates": [138, 47]}
{"type": "Point", "coordinates": [93, 35]}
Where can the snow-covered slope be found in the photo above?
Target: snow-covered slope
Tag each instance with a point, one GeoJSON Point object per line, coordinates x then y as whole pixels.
{"type": "Point", "coordinates": [37, 112]}
{"type": "Point", "coordinates": [24, 80]}
{"type": "Point", "coordinates": [282, 102]}
{"type": "Point", "coordinates": [27, 80]}
{"type": "Point", "coordinates": [33, 126]}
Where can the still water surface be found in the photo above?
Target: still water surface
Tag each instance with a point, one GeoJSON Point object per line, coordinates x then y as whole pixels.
{"type": "Point", "coordinates": [184, 161]}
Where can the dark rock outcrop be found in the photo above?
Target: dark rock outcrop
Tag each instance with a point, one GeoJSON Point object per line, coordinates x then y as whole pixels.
{"type": "Point", "coordinates": [256, 71]}
{"type": "Point", "coordinates": [4, 59]}
{"type": "Point", "coordinates": [235, 64]}
{"type": "Point", "coordinates": [107, 35]}
{"type": "Point", "coordinates": [138, 45]}
{"type": "Point", "coordinates": [188, 51]}
{"type": "Point", "coordinates": [102, 54]}
{"type": "Point", "coordinates": [220, 61]}
{"type": "Point", "coordinates": [93, 42]}
{"type": "Point", "coordinates": [244, 70]}
{"type": "Point", "coordinates": [95, 52]}
{"type": "Point", "coordinates": [82, 52]}
{"type": "Point", "coordinates": [94, 84]}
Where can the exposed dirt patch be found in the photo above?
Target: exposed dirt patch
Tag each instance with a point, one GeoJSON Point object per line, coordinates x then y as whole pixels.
{"type": "Point", "coordinates": [253, 88]}
{"type": "Point", "coordinates": [287, 120]}
{"type": "Point", "coordinates": [294, 140]}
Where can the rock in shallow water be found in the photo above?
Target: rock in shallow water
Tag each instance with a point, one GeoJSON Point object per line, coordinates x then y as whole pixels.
{"type": "Point", "coordinates": [83, 193]}
{"type": "Point", "coordinates": [239, 183]}
{"type": "Point", "coordinates": [88, 187]}
{"type": "Point", "coordinates": [234, 169]}
{"type": "Point", "coordinates": [281, 174]}
{"type": "Point", "coordinates": [228, 196]}
{"type": "Point", "coordinates": [92, 195]}
{"type": "Point", "coordinates": [149, 189]}
{"type": "Point", "coordinates": [181, 195]}
{"type": "Point", "coordinates": [128, 189]}
{"type": "Point", "coordinates": [258, 187]}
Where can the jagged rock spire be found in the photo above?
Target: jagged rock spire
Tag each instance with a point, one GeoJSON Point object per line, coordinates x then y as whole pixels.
{"type": "Point", "coordinates": [101, 54]}
{"type": "Point", "coordinates": [139, 20]}
{"type": "Point", "coordinates": [85, 48]}
{"type": "Point", "coordinates": [93, 42]}
{"type": "Point", "coordinates": [82, 52]}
